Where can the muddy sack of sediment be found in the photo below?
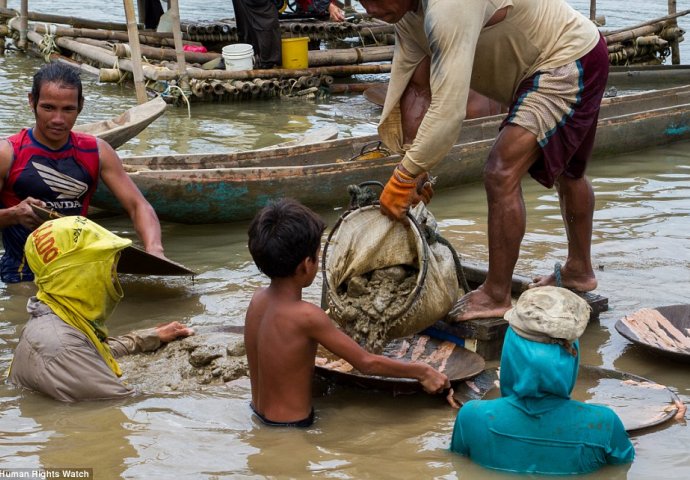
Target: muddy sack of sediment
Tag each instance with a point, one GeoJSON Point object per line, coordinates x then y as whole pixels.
{"type": "Point", "coordinates": [373, 301]}
{"type": "Point", "coordinates": [383, 280]}
{"type": "Point", "coordinates": [202, 361]}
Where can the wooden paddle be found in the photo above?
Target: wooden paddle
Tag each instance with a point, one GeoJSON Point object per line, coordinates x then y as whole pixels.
{"type": "Point", "coordinates": [133, 260]}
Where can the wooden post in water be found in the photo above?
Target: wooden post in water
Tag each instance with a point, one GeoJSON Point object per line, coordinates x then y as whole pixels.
{"type": "Point", "coordinates": [675, 47]}
{"type": "Point", "coordinates": [23, 24]}
{"type": "Point", "coordinates": [3, 4]}
{"type": "Point", "coordinates": [179, 49]}
{"type": "Point", "coordinates": [592, 10]}
{"type": "Point", "coordinates": [133, 33]}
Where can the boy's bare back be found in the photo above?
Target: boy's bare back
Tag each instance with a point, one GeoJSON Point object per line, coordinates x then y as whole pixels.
{"type": "Point", "coordinates": [280, 354]}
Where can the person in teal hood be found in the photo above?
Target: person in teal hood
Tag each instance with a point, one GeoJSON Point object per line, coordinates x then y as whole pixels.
{"type": "Point", "coordinates": [535, 427]}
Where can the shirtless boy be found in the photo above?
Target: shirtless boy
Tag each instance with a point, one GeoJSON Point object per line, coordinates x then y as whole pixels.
{"type": "Point", "coordinates": [282, 332]}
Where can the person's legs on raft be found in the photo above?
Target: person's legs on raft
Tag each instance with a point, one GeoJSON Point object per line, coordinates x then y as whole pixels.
{"type": "Point", "coordinates": [511, 156]}
{"type": "Point", "coordinates": [574, 190]}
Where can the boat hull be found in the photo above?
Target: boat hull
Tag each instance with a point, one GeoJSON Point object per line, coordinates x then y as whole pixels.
{"type": "Point", "coordinates": [233, 187]}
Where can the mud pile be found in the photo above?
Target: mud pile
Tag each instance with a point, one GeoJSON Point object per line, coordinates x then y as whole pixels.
{"type": "Point", "coordinates": [372, 303]}
{"type": "Point", "coordinates": [191, 364]}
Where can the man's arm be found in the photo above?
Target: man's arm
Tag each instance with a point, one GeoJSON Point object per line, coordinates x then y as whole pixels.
{"type": "Point", "coordinates": [452, 38]}
{"type": "Point", "coordinates": [139, 210]}
{"type": "Point", "coordinates": [21, 213]}
{"type": "Point", "coordinates": [321, 329]}
{"type": "Point", "coordinates": [148, 339]}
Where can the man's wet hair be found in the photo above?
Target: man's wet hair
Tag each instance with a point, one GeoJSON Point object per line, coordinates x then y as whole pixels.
{"type": "Point", "coordinates": [56, 72]}
{"type": "Point", "coordinates": [282, 235]}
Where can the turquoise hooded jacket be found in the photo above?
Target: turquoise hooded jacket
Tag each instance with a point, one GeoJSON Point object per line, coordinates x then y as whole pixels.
{"type": "Point", "coordinates": [535, 427]}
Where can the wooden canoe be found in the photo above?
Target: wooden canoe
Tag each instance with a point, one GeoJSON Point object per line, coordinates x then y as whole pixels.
{"type": "Point", "coordinates": [640, 403]}
{"type": "Point", "coordinates": [226, 187]}
{"type": "Point", "coordinates": [664, 330]}
{"type": "Point", "coordinates": [631, 77]}
{"type": "Point", "coordinates": [122, 128]}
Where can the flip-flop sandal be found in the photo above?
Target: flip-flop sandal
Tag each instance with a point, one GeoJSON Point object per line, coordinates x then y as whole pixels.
{"type": "Point", "coordinates": [557, 274]}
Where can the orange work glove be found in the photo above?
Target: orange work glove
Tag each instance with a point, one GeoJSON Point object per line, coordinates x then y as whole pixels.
{"type": "Point", "coordinates": [404, 191]}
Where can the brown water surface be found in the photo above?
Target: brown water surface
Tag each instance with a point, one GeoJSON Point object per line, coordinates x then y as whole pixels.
{"type": "Point", "coordinates": [642, 253]}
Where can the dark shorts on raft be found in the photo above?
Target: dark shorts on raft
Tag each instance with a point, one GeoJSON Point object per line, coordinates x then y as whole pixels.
{"type": "Point", "coordinates": [307, 422]}
{"type": "Point", "coordinates": [561, 108]}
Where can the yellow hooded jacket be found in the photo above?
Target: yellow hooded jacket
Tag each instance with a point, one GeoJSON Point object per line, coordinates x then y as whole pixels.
{"type": "Point", "coordinates": [74, 261]}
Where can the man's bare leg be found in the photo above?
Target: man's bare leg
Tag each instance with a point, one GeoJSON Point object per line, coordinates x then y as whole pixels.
{"type": "Point", "coordinates": [514, 151]}
{"type": "Point", "coordinates": [577, 208]}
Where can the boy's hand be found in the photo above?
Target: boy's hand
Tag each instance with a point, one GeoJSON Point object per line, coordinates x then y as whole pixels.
{"type": "Point", "coordinates": [434, 381]}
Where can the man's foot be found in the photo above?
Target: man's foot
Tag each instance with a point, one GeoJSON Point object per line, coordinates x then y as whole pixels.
{"type": "Point", "coordinates": [577, 282]}
{"type": "Point", "coordinates": [477, 304]}
{"type": "Point", "coordinates": [167, 332]}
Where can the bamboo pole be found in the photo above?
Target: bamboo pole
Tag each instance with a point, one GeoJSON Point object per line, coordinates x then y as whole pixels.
{"type": "Point", "coordinates": [159, 53]}
{"type": "Point", "coordinates": [342, 70]}
{"type": "Point", "coordinates": [103, 57]}
{"type": "Point", "coordinates": [133, 33]}
{"type": "Point", "coordinates": [675, 47]}
{"type": "Point", "coordinates": [73, 21]}
{"type": "Point", "coordinates": [23, 24]}
{"type": "Point", "coordinates": [351, 87]}
{"type": "Point", "coordinates": [650, 22]}
{"type": "Point", "coordinates": [349, 56]}
{"type": "Point", "coordinates": [179, 51]}
{"type": "Point", "coordinates": [151, 38]}
{"type": "Point", "coordinates": [636, 32]}
{"type": "Point", "coordinates": [592, 10]}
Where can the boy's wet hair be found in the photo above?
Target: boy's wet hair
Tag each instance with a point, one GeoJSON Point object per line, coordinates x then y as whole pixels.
{"type": "Point", "coordinates": [282, 235]}
{"type": "Point", "coordinates": [56, 72]}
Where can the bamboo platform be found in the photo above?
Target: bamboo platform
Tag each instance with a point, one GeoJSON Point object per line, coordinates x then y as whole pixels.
{"type": "Point", "coordinates": [105, 49]}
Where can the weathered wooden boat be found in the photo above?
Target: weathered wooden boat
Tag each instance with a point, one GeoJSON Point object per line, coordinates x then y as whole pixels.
{"type": "Point", "coordinates": [640, 403]}
{"type": "Point", "coordinates": [638, 77]}
{"type": "Point", "coordinates": [226, 187]}
{"type": "Point", "coordinates": [663, 330]}
{"type": "Point", "coordinates": [126, 126]}
{"type": "Point", "coordinates": [629, 77]}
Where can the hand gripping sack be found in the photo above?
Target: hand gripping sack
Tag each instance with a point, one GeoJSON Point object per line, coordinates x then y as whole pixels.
{"type": "Point", "coordinates": [363, 242]}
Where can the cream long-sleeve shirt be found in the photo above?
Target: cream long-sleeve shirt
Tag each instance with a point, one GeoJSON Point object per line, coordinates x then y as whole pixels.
{"type": "Point", "coordinates": [535, 35]}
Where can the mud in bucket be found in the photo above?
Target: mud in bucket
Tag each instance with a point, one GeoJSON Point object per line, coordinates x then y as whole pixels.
{"type": "Point", "coordinates": [365, 250]}
{"type": "Point", "coordinates": [238, 56]}
{"type": "Point", "coordinates": [295, 52]}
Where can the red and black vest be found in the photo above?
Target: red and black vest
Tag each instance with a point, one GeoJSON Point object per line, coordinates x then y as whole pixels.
{"type": "Point", "coordinates": [65, 179]}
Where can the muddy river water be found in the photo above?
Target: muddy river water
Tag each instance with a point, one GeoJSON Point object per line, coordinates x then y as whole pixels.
{"type": "Point", "coordinates": [641, 250]}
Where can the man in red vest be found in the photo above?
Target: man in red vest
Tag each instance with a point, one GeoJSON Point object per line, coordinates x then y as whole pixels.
{"type": "Point", "coordinates": [50, 165]}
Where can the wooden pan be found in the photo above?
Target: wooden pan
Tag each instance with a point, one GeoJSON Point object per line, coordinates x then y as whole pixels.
{"type": "Point", "coordinates": [447, 357]}
{"type": "Point", "coordinates": [133, 260]}
{"type": "Point", "coordinates": [665, 330]}
{"type": "Point", "coordinates": [640, 403]}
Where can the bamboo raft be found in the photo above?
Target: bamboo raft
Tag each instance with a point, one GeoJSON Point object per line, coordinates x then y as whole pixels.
{"type": "Point", "coordinates": [105, 49]}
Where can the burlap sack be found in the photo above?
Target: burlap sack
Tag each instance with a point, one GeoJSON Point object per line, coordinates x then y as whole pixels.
{"type": "Point", "coordinates": [365, 240]}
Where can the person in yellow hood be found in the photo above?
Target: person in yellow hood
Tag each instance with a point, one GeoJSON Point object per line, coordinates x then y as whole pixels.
{"type": "Point", "coordinates": [64, 350]}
